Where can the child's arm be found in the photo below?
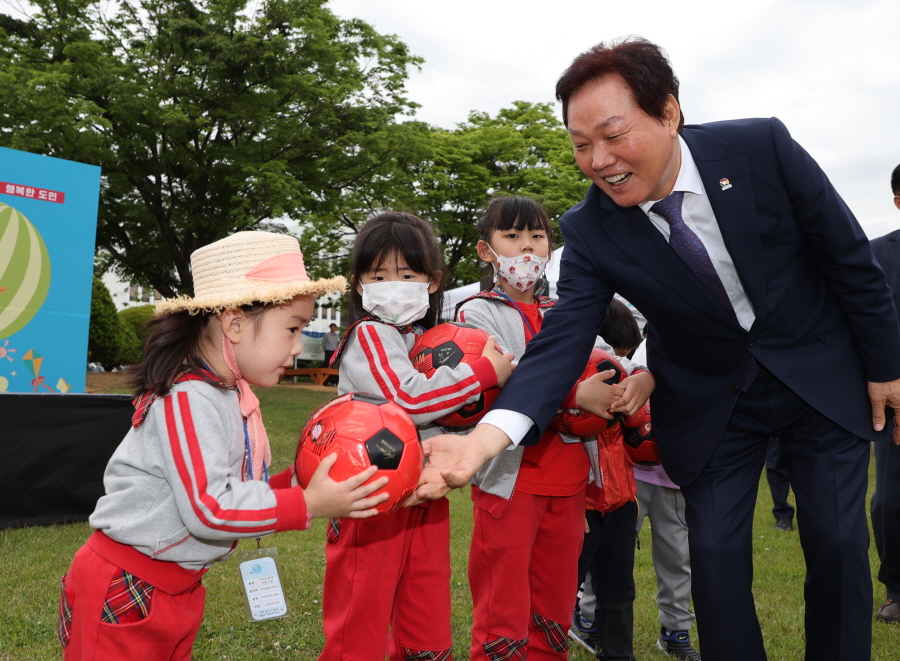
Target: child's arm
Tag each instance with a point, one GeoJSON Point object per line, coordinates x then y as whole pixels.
{"type": "Point", "coordinates": [202, 447]}
{"type": "Point", "coordinates": [376, 360]}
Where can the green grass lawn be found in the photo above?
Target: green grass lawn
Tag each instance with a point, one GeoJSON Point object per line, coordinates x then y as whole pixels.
{"type": "Point", "coordinates": [33, 559]}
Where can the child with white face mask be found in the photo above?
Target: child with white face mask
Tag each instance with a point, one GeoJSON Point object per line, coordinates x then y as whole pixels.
{"type": "Point", "coordinates": [529, 501]}
{"type": "Point", "coordinates": [387, 583]}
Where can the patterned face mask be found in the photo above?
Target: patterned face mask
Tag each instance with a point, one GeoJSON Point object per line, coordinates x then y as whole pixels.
{"type": "Point", "coordinates": [521, 272]}
{"type": "Point", "coordinates": [398, 303]}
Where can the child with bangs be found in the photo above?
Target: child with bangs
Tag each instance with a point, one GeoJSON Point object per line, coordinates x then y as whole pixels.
{"type": "Point", "coordinates": [529, 502]}
{"type": "Point", "coordinates": [387, 583]}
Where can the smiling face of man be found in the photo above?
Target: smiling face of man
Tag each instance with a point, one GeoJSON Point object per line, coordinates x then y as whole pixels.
{"type": "Point", "coordinates": [632, 156]}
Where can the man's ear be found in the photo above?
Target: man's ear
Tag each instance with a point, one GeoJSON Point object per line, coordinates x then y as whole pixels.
{"type": "Point", "coordinates": [436, 278]}
{"type": "Point", "coordinates": [897, 201]}
{"type": "Point", "coordinates": [672, 113]}
{"type": "Point", "coordinates": [234, 324]}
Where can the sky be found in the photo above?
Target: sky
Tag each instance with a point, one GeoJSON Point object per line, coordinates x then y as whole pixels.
{"type": "Point", "coordinates": [829, 69]}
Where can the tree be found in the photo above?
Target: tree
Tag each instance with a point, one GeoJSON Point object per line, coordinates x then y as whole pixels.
{"type": "Point", "coordinates": [449, 176]}
{"type": "Point", "coordinates": [136, 318]}
{"type": "Point", "coordinates": [110, 342]}
{"type": "Point", "coordinates": [207, 117]}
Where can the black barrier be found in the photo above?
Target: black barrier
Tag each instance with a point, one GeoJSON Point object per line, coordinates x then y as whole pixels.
{"type": "Point", "coordinates": [53, 451]}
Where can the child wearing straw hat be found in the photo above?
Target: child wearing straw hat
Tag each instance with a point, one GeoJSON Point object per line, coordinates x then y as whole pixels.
{"type": "Point", "coordinates": [192, 475]}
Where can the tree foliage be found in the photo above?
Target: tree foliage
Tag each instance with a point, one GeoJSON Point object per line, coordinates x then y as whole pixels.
{"type": "Point", "coordinates": [136, 318]}
{"type": "Point", "coordinates": [448, 177]}
{"type": "Point", "coordinates": [110, 342]}
{"type": "Point", "coordinates": [207, 117]}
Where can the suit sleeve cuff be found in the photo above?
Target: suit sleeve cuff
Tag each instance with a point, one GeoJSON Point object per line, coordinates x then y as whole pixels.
{"type": "Point", "coordinates": [291, 512]}
{"type": "Point", "coordinates": [485, 373]}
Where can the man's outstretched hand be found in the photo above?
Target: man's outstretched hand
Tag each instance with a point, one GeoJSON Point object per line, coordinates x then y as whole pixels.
{"type": "Point", "coordinates": [458, 458]}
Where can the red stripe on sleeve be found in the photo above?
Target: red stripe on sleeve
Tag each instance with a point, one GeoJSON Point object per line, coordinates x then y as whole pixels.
{"type": "Point", "coordinates": [402, 398]}
{"type": "Point", "coordinates": [200, 472]}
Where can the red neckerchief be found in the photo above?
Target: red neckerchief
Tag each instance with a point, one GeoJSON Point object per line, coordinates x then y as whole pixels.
{"type": "Point", "coordinates": [335, 358]}
{"type": "Point", "coordinates": [143, 401]}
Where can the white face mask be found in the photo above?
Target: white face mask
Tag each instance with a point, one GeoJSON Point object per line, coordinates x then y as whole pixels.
{"type": "Point", "coordinates": [521, 272]}
{"type": "Point", "coordinates": [398, 303]}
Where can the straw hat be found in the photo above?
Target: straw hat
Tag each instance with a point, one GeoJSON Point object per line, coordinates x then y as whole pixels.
{"type": "Point", "coordinates": [247, 267]}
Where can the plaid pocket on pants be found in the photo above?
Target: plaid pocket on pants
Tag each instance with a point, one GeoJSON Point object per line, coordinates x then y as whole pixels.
{"type": "Point", "coordinates": [64, 619]}
{"type": "Point", "coordinates": [128, 599]}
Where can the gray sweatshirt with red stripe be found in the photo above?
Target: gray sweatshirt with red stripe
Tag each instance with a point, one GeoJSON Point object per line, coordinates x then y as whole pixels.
{"type": "Point", "coordinates": [176, 487]}
{"type": "Point", "coordinates": [375, 359]}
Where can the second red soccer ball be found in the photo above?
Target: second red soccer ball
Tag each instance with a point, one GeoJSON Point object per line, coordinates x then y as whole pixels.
{"type": "Point", "coordinates": [577, 421]}
{"type": "Point", "coordinates": [448, 345]}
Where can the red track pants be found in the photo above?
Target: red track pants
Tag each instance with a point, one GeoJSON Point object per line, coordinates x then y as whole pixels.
{"type": "Point", "coordinates": [523, 573]}
{"type": "Point", "coordinates": [387, 585]}
{"type": "Point", "coordinates": [176, 607]}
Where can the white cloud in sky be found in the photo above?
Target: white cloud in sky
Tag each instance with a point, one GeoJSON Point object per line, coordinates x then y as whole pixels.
{"type": "Point", "coordinates": [829, 69]}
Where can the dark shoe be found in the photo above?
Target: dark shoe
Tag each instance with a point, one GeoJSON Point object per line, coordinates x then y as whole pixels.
{"type": "Point", "coordinates": [677, 644]}
{"type": "Point", "coordinates": [889, 611]}
{"type": "Point", "coordinates": [584, 632]}
{"type": "Point", "coordinates": [784, 524]}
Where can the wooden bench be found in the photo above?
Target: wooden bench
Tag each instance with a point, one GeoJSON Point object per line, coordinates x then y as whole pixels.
{"type": "Point", "coordinates": [317, 374]}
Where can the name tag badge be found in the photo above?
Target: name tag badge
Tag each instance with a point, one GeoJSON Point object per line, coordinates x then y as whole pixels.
{"type": "Point", "coordinates": [260, 576]}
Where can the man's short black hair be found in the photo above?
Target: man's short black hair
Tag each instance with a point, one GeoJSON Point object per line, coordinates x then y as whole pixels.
{"type": "Point", "coordinates": [895, 180]}
{"type": "Point", "coordinates": [332, 325]}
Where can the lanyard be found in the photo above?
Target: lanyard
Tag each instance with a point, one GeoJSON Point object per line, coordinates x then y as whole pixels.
{"type": "Point", "coordinates": [505, 296]}
{"type": "Point", "coordinates": [250, 459]}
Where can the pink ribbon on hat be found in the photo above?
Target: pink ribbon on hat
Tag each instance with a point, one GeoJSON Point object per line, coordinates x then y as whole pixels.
{"type": "Point", "coordinates": [259, 440]}
{"type": "Point", "coordinates": [280, 268]}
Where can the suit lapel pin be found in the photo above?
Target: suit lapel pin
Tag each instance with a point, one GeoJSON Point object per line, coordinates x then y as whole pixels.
{"type": "Point", "coordinates": [724, 183]}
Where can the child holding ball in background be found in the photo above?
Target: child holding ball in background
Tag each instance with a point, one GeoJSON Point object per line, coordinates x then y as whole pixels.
{"type": "Point", "coordinates": [192, 475]}
{"type": "Point", "coordinates": [529, 502]}
{"type": "Point", "coordinates": [387, 580]}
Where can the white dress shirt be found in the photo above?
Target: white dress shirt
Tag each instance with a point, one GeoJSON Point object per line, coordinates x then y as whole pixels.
{"type": "Point", "coordinates": [698, 215]}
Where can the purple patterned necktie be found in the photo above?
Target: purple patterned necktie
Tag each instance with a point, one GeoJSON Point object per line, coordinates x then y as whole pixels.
{"type": "Point", "coordinates": [692, 252]}
{"type": "Point", "coordinates": [690, 248]}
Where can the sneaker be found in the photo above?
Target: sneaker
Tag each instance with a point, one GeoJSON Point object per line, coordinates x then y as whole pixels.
{"type": "Point", "coordinates": [677, 644]}
{"type": "Point", "coordinates": [889, 611]}
{"type": "Point", "coordinates": [584, 632]}
{"type": "Point", "coordinates": [784, 524]}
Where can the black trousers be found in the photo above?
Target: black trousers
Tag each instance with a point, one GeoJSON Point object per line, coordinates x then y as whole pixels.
{"type": "Point", "coordinates": [777, 477]}
{"type": "Point", "coordinates": [886, 515]}
{"type": "Point", "coordinates": [827, 467]}
{"type": "Point", "coordinates": [608, 553]}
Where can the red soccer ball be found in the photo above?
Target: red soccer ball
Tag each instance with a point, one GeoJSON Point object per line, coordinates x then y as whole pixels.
{"type": "Point", "coordinates": [577, 421]}
{"type": "Point", "coordinates": [448, 345]}
{"type": "Point", "coordinates": [365, 430]}
{"type": "Point", "coordinates": [639, 443]}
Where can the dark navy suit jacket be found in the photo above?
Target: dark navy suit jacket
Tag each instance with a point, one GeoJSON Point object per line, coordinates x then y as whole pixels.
{"type": "Point", "coordinates": [825, 322]}
{"type": "Point", "coordinates": [887, 251]}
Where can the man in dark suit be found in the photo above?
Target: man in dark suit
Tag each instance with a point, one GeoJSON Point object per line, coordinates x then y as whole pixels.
{"type": "Point", "coordinates": [885, 506]}
{"type": "Point", "coordinates": [768, 316]}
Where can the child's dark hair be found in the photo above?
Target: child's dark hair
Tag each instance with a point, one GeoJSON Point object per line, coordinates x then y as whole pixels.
{"type": "Point", "coordinates": [518, 213]}
{"type": "Point", "coordinates": [173, 346]}
{"type": "Point", "coordinates": [392, 234]}
{"type": "Point", "coordinates": [620, 330]}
